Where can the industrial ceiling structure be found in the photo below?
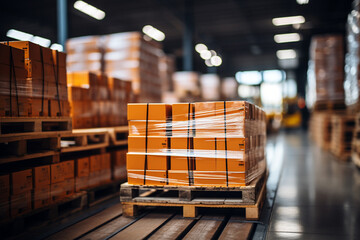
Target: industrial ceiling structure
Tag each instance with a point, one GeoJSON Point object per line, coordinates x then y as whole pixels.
{"type": "Point", "coordinates": [241, 32]}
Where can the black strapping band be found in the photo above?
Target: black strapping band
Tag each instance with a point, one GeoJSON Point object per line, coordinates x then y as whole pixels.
{"type": "Point", "coordinates": [43, 82]}
{"type": "Point", "coordinates": [146, 141]}
{"type": "Point", "coordinates": [226, 160]}
{"type": "Point", "coordinates": [187, 146]}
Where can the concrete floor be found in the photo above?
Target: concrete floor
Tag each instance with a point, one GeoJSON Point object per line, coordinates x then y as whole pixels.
{"type": "Point", "coordinates": [318, 197]}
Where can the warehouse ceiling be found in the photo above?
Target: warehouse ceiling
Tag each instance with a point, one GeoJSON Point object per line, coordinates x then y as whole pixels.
{"type": "Point", "coordinates": [240, 31]}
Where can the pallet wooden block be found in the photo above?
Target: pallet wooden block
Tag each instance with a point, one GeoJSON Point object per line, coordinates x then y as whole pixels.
{"type": "Point", "coordinates": [118, 135]}
{"type": "Point", "coordinates": [103, 192]}
{"type": "Point", "coordinates": [16, 126]}
{"type": "Point", "coordinates": [190, 198]}
{"type": "Point", "coordinates": [84, 139]}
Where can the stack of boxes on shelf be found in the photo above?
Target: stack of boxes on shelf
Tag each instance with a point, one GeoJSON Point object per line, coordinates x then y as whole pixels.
{"type": "Point", "coordinates": [327, 60]}
{"type": "Point", "coordinates": [200, 144]}
{"type": "Point", "coordinates": [126, 56]}
{"type": "Point", "coordinates": [33, 81]}
{"type": "Point", "coordinates": [97, 100]}
{"type": "Point", "coordinates": [320, 129]}
{"type": "Point", "coordinates": [118, 163]}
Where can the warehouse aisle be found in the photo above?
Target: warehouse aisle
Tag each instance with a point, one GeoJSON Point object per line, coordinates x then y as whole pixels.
{"type": "Point", "coordinates": [318, 196]}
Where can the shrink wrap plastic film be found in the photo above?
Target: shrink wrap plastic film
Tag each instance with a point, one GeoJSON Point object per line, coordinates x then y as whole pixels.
{"type": "Point", "coordinates": [32, 81]}
{"type": "Point", "coordinates": [196, 144]}
{"type": "Point", "coordinates": [351, 84]}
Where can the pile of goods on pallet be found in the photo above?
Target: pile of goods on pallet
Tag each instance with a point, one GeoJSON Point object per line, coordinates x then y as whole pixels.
{"type": "Point", "coordinates": [126, 56]}
{"type": "Point", "coordinates": [196, 144]}
{"type": "Point", "coordinates": [355, 149]}
{"type": "Point", "coordinates": [33, 81]}
{"type": "Point", "coordinates": [97, 100]}
{"type": "Point", "coordinates": [331, 127]}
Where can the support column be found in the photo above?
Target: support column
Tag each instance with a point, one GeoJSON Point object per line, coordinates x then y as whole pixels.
{"type": "Point", "coordinates": [62, 22]}
{"type": "Point", "coordinates": [188, 45]}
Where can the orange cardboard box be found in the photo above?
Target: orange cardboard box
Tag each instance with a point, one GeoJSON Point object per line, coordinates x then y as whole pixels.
{"type": "Point", "coordinates": [17, 55]}
{"type": "Point", "coordinates": [178, 178]}
{"type": "Point", "coordinates": [41, 176]}
{"type": "Point", "coordinates": [205, 124]}
{"type": "Point", "coordinates": [20, 204]}
{"type": "Point", "coordinates": [179, 153]}
{"type": "Point", "coordinates": [33, 51]}
{"type": "Point", "coordinates": [106, 161]}
{"type": "Point", "coordinates": [154, 128]}
{"type": "Point", "coordinates": [209, 178]}
{"type": "Point", "coordinates": [57, 173]}
{"type": "Point", "coordinates": [204, 151]}
{"type": "Point", "coordinates": [237, 179]}
{"type": "Point", "coordinates": [39, 107]}
{"type": "Point", "coordinates": [136, 161]}
{"type": "Point", "coordinates": [157, 111]}
{"type": "Point", "coordinates": [20, 107]}
{"type": "Point", "coordinates": [95, 163]}
{"type": "Point", "coordinates": [94, 179]}
{"type": "Point", "coordinates": [182, 119]}
{"type": "Point", "coordinates": [21, 181]}
{"type": "Point", "coordinates": [4, 186]}
{"type": "Point", "coordinates": [57, 191]}
{"type": "Point", "coordinates": [41, 196]}
{"type": "Point", "coordinates": [236, 155]}
{"type": "Point", "coordinates": [82, 167]}
{"type": "Point", "coordinates": [81, 183]}
{"type": "Point", "coordinates": [153, 177]}
{"type": "Point", "coordinates": [136, 144]}
{"type": "Point", "coordinates": [69, 186]}
{"type": "Point", "coordinates": [68, 169]}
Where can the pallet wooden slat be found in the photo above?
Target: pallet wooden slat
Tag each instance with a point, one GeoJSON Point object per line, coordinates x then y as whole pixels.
{"type": "Point", "coordinates": [236, 230]}
{"type": "Point", "coordinates": [205, 228]}
{"type": "Point", "coordinates": [85, 226]}
{"type": "Point", "coordinates": [17, 126]}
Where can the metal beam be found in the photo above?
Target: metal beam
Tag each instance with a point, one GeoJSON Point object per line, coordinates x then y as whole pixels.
{"type": "Point", "coordinates": [188, 36]}
{"type": "Point", "coordinates": [62, 22]}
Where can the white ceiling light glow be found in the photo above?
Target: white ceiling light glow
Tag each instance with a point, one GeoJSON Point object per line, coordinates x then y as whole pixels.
{"type": "Point", "coordinates": [200, 47]}
{"type": "Point", "coordinates": [302, 2]}
{"type": "Point", "coordinates": [89, 10]}
{"type": "Point", "coordinates": [216, 61]}
{"type": "Point", "coordinates": [288, 37]}
{"type": "Point", "coordinates": [206, 54]}
{"type": "Point", "coordinates": [41, 41]}
{"type": "Point", "coordinates": [154, 33]}
{"type": "Point", "coordinates": [288, 20]}
{"type": "Point", "coordinates": [56, 46]}
{"type": "Point", "coordinates": [19, 35]}
{"type": "Point", "coordinates": [286, 54]}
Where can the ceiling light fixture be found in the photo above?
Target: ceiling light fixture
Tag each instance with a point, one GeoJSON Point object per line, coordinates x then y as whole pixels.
{"type": "Point", "coordinates": [286, 54]}
{"type": "Point", "coordinates": [200, 47]}
{"type": "Point", "coordinates": [302, 2]}
{"type": "Point", "coordinates": [216, 61]}
{"type": "Point", "coordinates": [154, 33]}
{"type": "Point", "coordinates": [288, 20]}
{"type": "Point", "coordinates": [89, 10]}
{"type": "Point", "coordinates": [56, 46]}
{"type": "Point", "coordinates": [206, 54]}
{"type": "Point", "coordinates": [288, 37]}
{"type": "Point", "coordinates": [19, 35]}
{"type": "Point", "coordinates": [41, 41]}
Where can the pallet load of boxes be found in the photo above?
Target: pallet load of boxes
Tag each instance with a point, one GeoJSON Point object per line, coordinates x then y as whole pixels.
{"type": "Point", "coordinates": [45, 163]}
{"type": "Point", "coordinates": [331, 126]}
{"type": "Point", "coordinates": [193, 148]}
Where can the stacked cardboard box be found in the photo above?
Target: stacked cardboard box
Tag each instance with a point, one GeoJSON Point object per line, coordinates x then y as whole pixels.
{"type": "Point", "coordinates": [62, 180]}
{"type": "Point", "coordinates": [342, 131]}
{"type": "Point", "coordinates": [130, 57]}
{"type": "Point", "coordinates": [320, 129]}
{"type": "Point", "coordinates": [97, 100]}
{"type": "Point", "coordinates": [85, 54]}
{"type": "Point", "coordinates": [166, 71]}
{"type": "Point", "coordinates": [37, 83]}
{"type": "Point", "coordinates": [201, 144]}
{"type": "Point", "coordinates": [92, 171]}
{"type": "Point", "coordinates": [21, 188]}
{"type": "Point", "coordinates": [4, 196]}
{"type": "Point", "coordinates": [118, 163]}
{"type": "Point", "coordinates": [327, 56]}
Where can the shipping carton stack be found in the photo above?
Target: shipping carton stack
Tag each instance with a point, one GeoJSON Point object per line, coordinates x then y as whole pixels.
{"type": "Point", "coordinates": [327, 55]}
{"type": "Point", "coordinates": [166, 71]}
{"type": "Point", "coordinates": [33, 81]}
{"type": "Point", "coordinates": [97, 100]}
{"type": "Point", "coordinates": [196, 144]}
{"type": "Point", "coordinates": [320, 129]}
{"type": "Point", "coordinates": [85, 54]}
{"type": "Point", "coordinates": [130, 57]}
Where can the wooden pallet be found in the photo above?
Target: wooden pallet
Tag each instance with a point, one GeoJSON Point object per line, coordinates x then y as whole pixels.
{"type": "Point", "coordinates": [329, 105]}
{"type": "Point", "coordinates": [190, 198]}
{"type": "Point", "coordinates": [16, 126]}
{"type": "Point", "coordinates": [84, 139]}
{"type": "Point", "coordinates": [103, 192]}
{"type": "Point", "coordinates": [43, 216]}
{"type": "Point", "coordinates": [118, 135]}
{"type": "Point", "coordinates": [18, 148]}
